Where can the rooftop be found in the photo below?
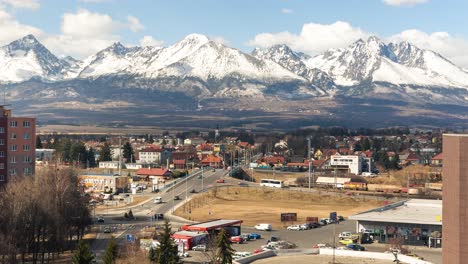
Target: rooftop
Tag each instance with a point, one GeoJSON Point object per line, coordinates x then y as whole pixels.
{"type": "Point", "coordinates": [413, 211]}
{"type": "Point", "coordinates": [211, 225]}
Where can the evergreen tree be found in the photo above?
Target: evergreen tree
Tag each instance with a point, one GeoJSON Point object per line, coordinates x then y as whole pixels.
{"type": "Point", "coordinates": [64, 148]}
{"type": "Point", "coordinates": [225, 250]}
{"type": "Point", "coordinates": [78, 153]}
{"type": "Point", "coordinates": [130, 214]}
{"type": "Point", "coordinates": [152, 256]}
{"type": "Point", "coordinates": [366, 145]}
{"type": "Point", "coordinates": [163, 142]}
{"type": "Point", "coordinates": [83, 254]}
{"type": "Point", "coordinates": [167, 250]}
{"type": "Point", "coordinates": [105, 154]}
{"type": "Point", "coordinates": [111, 252]}
{"type": "Point", "coordinates": [128, 153]}
{"type": "Point", "coordinates": [151, 139]}
{"type": "Point", "coordinates": [91, 159]}
{"type": "Point", "coordinates": [38, 142]}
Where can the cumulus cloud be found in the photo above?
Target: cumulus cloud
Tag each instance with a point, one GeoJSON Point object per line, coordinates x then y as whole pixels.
{"type": "Point", "coordinates": [134, 24]}
{"type": "Point", "coordinates": [150, 41]}
{"type": "Point", "coordinates": [404, 2]}
{"type": "Point", "coordinates": [314, 38]}
{"type": "Point", "coordinates": [451, 47]}
{"type": "Point", "coordinates": [11, 29]}
{"type": "Point", "coordinates": [219, 39]}
{"type": "Point", "coordinates": [29, 4]}
{"type": "Point", "coordinates": [286, 11]}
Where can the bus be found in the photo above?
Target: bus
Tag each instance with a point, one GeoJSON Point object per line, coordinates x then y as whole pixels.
{"type": "Point", "coordinates": [271, 183]}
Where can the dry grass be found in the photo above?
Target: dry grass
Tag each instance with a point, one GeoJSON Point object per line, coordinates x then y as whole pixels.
{"type": "Point", "coordinates": [288, 178]}
{"type": "Point", "coordinates": [311, 259]}
{"type": "Point", "coordinates": [417, 173]}
{"type": "Point", "coordinates": [254, 205]}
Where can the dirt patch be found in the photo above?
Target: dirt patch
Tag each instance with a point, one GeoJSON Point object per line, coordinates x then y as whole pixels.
{"type": "Point", "coordinates": [257, 205]}
{"type": "Point", "coordinates": [311, 259]}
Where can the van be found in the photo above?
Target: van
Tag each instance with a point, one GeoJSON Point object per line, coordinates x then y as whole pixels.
{"type": "Point", "coordinates": [158, 200]}
{"type": "Point", "coordinates": [264, 227]}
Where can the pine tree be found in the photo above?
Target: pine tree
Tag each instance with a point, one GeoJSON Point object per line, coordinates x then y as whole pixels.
{"type": "Point", "coordinates": [128, 153]}
{"type": "Point", "coordinates": [38, 142]}
{"type": "Point", "coordinates": [105, 154]}
{"type": "Point", "coordinates": [111, 252]}
{"type": "Point", "coordinates": [91, 159]}
{"type": "Point", "coordinates": [83, 254]}
{"type": "Point", "coordinates": [151, 139]}
{"type": "Point", "coordinates": [152, 256]}
{"type": "Point", "coordinates": [225, 250]}
{"type": "Point", "coordinates": [130, 214]}
{"type": "Point", "coordinates": [167, 251]}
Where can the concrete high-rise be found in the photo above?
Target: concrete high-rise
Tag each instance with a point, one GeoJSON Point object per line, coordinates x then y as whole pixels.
{"type": "Point", "coordinates": [17, 145]}
{"type": "Point", "coordinates": [455, 199]}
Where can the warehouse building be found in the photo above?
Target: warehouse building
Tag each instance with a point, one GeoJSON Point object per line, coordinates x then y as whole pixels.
{"type": "Point", "coordinates": [415, 221]}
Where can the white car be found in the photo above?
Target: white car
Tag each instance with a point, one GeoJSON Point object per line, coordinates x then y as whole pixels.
{"type": "Point", "coordinates": [199, 248]}
{"type": "Point", "coordinates": [344, 235]}
{"type": "Point", "coordinates": [158, 200]}
{"type": "Point", "coordinates": [295, 228]}
{"type": "Point", "coordinates": [264, 227]}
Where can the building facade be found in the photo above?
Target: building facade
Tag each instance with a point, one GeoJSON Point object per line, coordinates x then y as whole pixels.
{"type": "Point", "coordinates": [455, 202]}
{"type": "Point", "coordinates": [351, 162]}
{"type": "Point", "coordinates": [17, 145]}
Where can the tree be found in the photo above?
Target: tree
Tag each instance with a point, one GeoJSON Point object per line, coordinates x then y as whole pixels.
{"type": "Point", "coordinates": [90, 158]}
{"type": "Point", "coordinates": [130, 214]}
{"type": "Point", "coordinates": [366, 145]}
{"type": "Point", "coordinates": [167, 251]}
{"type": "Point", "coordinates": [152, 256]}
{"type": "Point", "coordinates": [83, 254]}
{"type": "Point", "coordinates": [78, 152]}
{"type": "Point", "coordinates": [38, 142]}
{"type": "Point", "coordinates": [111, 252]}
{"type": "Point", "coordinates": [105, 154]}
{"type": "Point", "coordinates": [225, 250]}
{"type": "Point", "coordinates": [151, 139]}
{"type": "Point", "coordinates": [128, 152]}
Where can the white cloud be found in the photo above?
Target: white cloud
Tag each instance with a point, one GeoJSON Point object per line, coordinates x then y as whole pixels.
{"type": "Point", "coordinates": [286, 11]}
{"type": "Point", "coordinates": [134, 24]}
{"type": "Point", "coordinates": [452, 47]}
{"type": "Point", "coordinates": [150, 41]}
{"type": "Point", "coordinates": [404, 2]}
{"type": "Point", "coordinates": [29, 4]}
{"type": "Point", "coordinates": [314, 38]}
{"type": "Point", "coordinates": [11, 29]}
{"type": "Point", "coordinates": [219, 39]}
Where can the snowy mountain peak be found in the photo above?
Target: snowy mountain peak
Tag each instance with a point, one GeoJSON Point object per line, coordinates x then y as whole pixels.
{"type": "Point", "coordinates": [194, 39]}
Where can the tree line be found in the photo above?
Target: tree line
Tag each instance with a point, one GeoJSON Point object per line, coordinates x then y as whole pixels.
{"type": "Point", "coordinates": [42, 216]}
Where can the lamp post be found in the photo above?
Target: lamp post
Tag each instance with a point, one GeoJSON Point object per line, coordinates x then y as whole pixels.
{"type": "Point", "coordinates": [202, 179]}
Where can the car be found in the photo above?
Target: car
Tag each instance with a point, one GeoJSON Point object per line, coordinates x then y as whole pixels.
{"type": "Point", "coordinates": [254, 236]}
{"type": "Point", "coordinates": [183, 255]}
{"type": "Point", "coordinates": [245, 237]}
{"type": "Point", "coordinates": [158, 200]}
{"type": "Point", "coordinates": [295, 228]}
{"type": "Point", "coordinates": [347, 241]}
{"type": "Point", "coordinates": [176, 197]}
{"type": "Point", "coordinates": [193, 191]}
{"type": "Point", "coordinates": [199, 248]}
{"type": "Point", "coordinates": [305, 226]}
{"type": "Point", "coordinates": [341, 218]}
{"type": "Point", "coordinates": [100, 219]}
{"type": "Point", "coordinates": [199, 177]}
{"type": "Point", "coordinates": [264, 227]}
{"type": "Point", "coordinates": [314, 225]}
{"type": "Point", "coordinates": [127, 195]}
{"type": "Point", "coordinates": [344, 235]}
{"type": "Point", "coordinates": [158, 216]}
{"type": "Point", "coordinates": [220, 181]}
{"type": "Point", "coordinates": [107, 230]}
{"type": "Point", "coordinates": [355, 247]}
{"type": "Point", "coordinates": [242, 184]}
{"type": "Point", "coordinates": [274, 239]}
{"type": "Point", "coordinates": [258, 250]}
{"type": "Point", "coordinates": [236, 239]}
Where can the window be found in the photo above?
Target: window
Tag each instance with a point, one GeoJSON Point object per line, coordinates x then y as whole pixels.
{"type": "Point", "coordinates": [26, 124]}
{"type": "Point", "coordinates": [26, 135]}
{"type": "Point", "coordinates": [2, 166]}
{"type": "Point", "coordinates": [26, 147]}
{"type": "Point", "coordinates": [13, 147]}
{"type": "Point", "coordinates": [12, 171]}
{"type": "Point", "coordinates": [12, 159]}
{"type": "Point", "coordinates": [2, 177]}
{"type": "Point", "coordinates": [2, 130]}
{"type": "Point", "coordinates": [13, 123]}
{"type": "Point", "coordinates": [2, 154]}
{"type": "Point", "coordinates": [27, 171]}
{"type": "Point", "coordinates": [2, 141]}
{"type": "Point", "coordinates": [27, 159]}
{"type": "Point", "coordinates": [13, 135]}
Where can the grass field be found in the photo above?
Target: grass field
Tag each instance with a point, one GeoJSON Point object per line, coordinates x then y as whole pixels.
{"type": "Point", "coordinates": [255, 205]}
{"type": "Point", "coordinates": [311, 259]}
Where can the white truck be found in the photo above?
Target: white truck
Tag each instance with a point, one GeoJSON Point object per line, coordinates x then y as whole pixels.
{"type": "Point", "coordinates": [264, 227]}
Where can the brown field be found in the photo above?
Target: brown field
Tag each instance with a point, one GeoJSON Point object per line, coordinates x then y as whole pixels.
{"type": "Point", "coordinates": [288, 178]}
{"type": "Point", "coordinates": [311, 259]}
{"type": "Point", "coordinates": [255, 205]}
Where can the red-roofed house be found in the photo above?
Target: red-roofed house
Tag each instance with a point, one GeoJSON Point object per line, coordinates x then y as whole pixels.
{"type": "Point", "coordinates": [154, 173]}
{"type": "Point", "coordinates": [243, 144]}
{"type": "Point", "coordinates": [411, 159]}
{"type": "Point", "coordinates": [212, 161]}
{"type": "Point", "coordinates": [179, 164]}
{"type": "Point", "coordinates": [437, 160]}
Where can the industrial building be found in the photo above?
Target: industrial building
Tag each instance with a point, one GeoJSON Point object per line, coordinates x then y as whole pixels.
{"type": "Point", "coordinates": [416, 221]}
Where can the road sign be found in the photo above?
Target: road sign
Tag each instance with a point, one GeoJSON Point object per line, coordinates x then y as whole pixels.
{"type": "Point", "coordinates": [130, 238]}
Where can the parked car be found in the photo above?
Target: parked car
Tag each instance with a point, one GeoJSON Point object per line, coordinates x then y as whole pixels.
{"type": "Point", "coordinates": [242, 183]}
{"type": "Point", "coordinates": [341, 218]}
{"type": "Point", "coordinates": [245, 237]}
{"type": "Point", "coordinates": [274, 239]}
{"type": "Point", "coordinates": [295, 228]}
{"type": "Point", "coordinates": [199, 248]}
{"type": "Point", "coordinates": [193, 191]}
{"type": "Point", "coordinates": [158, 200]}
{"type": "Point", "coordinates": [176, 197]}
{"type": "Point", "coordinates": [264, 227]}
{"type": "Point", "coordinates": [220, 181]}
{"type": "Point", "coordinates": [305, 226]}
{"type": "Point", "coordinates": [346, 241]}
{"type": "Point", "coordinates": [159, 216]}
{"type": "Point", "coordinates": [355, 247]}
{"type": "Point", "coordinates": [100, 219]}
{"type": "Point", "coordinates": [236, 239]}
{"type": "Point", "coordinates": [254, 236]}
{"type": "Point", "coordinates": [107, 230]}
{"type": "Point", "coordinates": [258, 250]}
{"type": "Point", "coordinates": [344, 235]}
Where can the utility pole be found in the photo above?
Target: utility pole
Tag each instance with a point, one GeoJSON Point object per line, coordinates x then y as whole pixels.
{"type": "Point", "coordinates": [120, 155]}
{"type": "Point", "coordinates": [202, 179]}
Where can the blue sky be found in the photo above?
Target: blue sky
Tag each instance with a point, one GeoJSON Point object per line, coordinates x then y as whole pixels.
{"type": "Point", "coordinates": [81, 27]}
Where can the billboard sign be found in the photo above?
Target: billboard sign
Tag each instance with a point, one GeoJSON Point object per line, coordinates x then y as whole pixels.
{"type": "Point", "coordinates": [288, 217]}
{"type": "Point", "coordinates": [333, 216]}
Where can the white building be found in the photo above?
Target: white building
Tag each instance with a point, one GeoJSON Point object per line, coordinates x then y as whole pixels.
{"type": "Point", "coordinates": [108, 164]}
{"type": "Point", "coordinates": [352, 162]}
{"type": "Point", "coordinates": [133, 166]}
{"type": "Point", "coordinates": [115, 152]}
{"type": "Point", "coordinates": [150, 155]}
{"type": "Point", "coordinates": [44, 154]}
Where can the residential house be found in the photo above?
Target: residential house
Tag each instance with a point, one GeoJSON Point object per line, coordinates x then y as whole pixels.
{"type": "Point", "coordinates": [437, 160]}
{"type": "Point", "coordinates": [108, 164]}
{"type": "Point", "coordinates": [160, 174]}
{"type": "Point", "coordinates": [212, 161]}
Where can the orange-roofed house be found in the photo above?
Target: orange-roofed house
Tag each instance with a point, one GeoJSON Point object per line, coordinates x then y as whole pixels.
{"type": "Point", "coordinates": [154, 173]}
{"type": "Point", "coordinates": [212, 161]}
{"type": "Point", "coordinates": [437, 160]}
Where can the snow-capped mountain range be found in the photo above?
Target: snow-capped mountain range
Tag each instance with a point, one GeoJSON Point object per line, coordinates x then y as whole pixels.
{"type": "Point", "coordinates": [200, 67]}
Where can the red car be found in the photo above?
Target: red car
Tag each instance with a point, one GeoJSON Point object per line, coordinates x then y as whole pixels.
{"type": "Point", "coordinates": [220, 181]}
{"type": "Point", "coordinates": [258, 250]}
{"type": "Point", "coordinates": [236, 239]}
